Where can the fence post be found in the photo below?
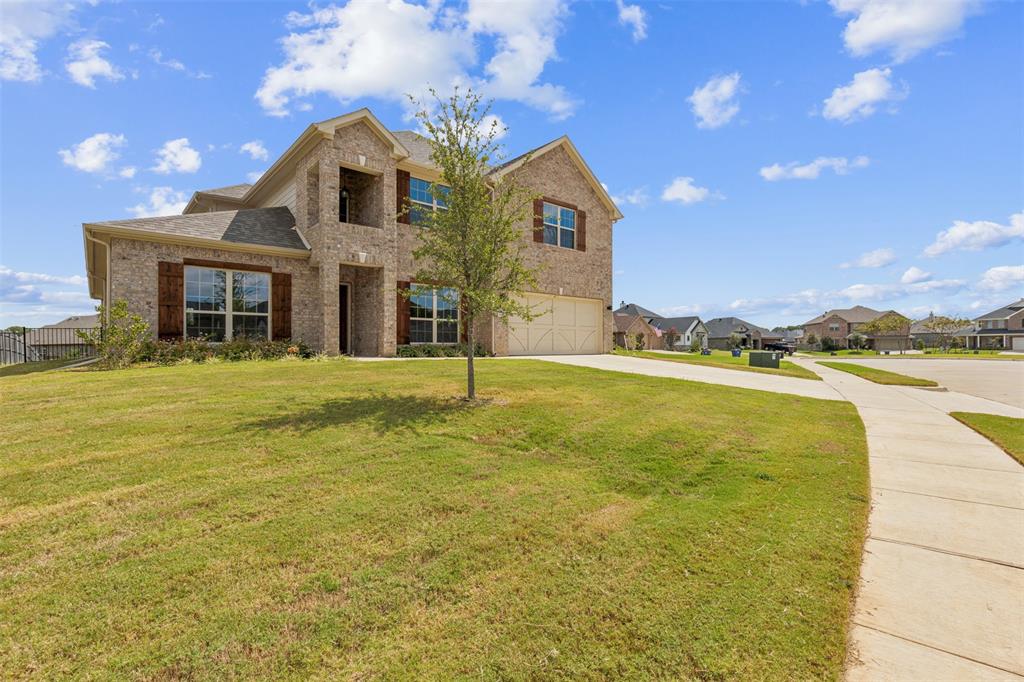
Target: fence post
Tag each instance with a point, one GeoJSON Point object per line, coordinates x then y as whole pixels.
{"type": "Point", "coordinates": [24, 344]}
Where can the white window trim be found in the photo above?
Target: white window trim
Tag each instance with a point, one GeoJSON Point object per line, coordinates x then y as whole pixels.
{"type": "Point", "coordinates": [558, 224]}
{"type": "Point", "coordinates": [432, 205]}
{"type": "Point", "coordinates": [229, 302]}
{"type": "Point", "coordinates": [433, 326]}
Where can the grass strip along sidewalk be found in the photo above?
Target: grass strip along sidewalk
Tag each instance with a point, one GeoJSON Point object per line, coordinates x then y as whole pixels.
{"type": "Point", "coordinates": [879, 376]}
{"type": "Point", "coordinates": [724, 360]}
{"type": "Point", "coordinates": [1006, 432]}
{"type": "Point", "coordinates": [340, 519]}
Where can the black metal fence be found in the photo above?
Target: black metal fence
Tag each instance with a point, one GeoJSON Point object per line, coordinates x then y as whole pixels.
{"type": "Point", "coordinates": [46, 343]}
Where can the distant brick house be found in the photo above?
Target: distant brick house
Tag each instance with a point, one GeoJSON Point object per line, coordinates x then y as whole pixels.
{"type": "Point", "coordinates": [320, 247]}
{"type": "Point", "coordinates": [1001, 328]}
{"type": "Point", "coordinates": [629, 327]}
{"type": "Point", "coordinates": [683, 330]}
{"type": "Point", "coordinates": [722, 330]}
{"type": "Point", "coordinates": [844, 324]}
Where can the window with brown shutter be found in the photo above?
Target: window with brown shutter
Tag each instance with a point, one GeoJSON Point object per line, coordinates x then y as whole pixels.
{"type": "Point", "coordinates": [538, 221]}
{"type": "Point", "coordinates": [581, 230]}
{"type": "Point", "coordinates": [402, 180]}
{"type": "Point", "coordinates": [281, 306]}
{"type": "Point", "coordinates": [170, 300]}
{"type": "Point", "coordinates": [402, 315]}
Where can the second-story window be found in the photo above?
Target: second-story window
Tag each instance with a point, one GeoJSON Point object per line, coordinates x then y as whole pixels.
{"type": "Point", "coordinates": [559, 226]}
{"type": "Point", "coordinates": [422, 201]}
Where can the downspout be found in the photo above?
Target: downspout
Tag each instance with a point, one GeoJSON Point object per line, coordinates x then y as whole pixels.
{"type": "Point", "coordinates": [106, 280]}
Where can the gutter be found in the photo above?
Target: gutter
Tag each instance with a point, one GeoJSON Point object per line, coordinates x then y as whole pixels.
{"type": "Point", "coordinates": [106, 280]}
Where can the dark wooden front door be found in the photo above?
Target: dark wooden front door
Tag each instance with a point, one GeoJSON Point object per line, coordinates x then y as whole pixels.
{"type": "Point", "coordinates": [343, 319]}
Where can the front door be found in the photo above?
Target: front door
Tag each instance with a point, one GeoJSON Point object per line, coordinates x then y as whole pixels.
{"type": "Point", "coordinates": [343, 319]}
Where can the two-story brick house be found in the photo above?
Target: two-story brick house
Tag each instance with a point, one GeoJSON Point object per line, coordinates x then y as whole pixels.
{"type": "Point", "coordinates": [320, 246]}
{"type": "Point", "coordinates": [841, 324]}
{"type": "Point", "coordinates": [1003, 328]}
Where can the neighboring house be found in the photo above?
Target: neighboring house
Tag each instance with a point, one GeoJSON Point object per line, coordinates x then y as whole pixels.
{"type": "Point", "coordinates": [789, 336]}
{"type": "Point", "coordinates": [687, 329]}
{"type": "Point", "coordinates": [919, 331]}
{"type": "Point", "coordinates": [629, 327]}
{"type": "Point", "coordinates": [320, 246]}
{"type": "Point", "coordinates": [721, 329]}
{"type": "Point", "coordinates": [844, 324]}
{"type": "Point", "coordinates": [1001, 328]}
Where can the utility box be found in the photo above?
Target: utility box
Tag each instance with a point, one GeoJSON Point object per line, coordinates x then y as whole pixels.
{"type": "Point", "coordinates": [765, 358]}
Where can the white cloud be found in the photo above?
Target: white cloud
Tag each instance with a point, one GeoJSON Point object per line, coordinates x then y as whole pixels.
{"type": "Point", "coordinates": [634, 17]}
{"type": "Point", "coordinates": [901, 27]}
{"type": "Point", "coordinates": [1002, 277]}
{"type": "Point", "coordinates": [127, 172]}
{"type": "Point", "coordinates": [840, 165]}
{"type": "Point", "coordinates": [24, 26]}
{"type": "Point", "coordinates": [85, 64]}
{"type": "Point", "coordinates": [388, 50]}
{"type": "Point", "coordinates": [914, 274]}
{"type": "Point", "coordinates": [493, 121]}
{"type": "Point", "coordinates": [714, 103]}
{"type": "Point", "coordinates": [635, 197]}
{"type": "Point", "coordinates": [683, 190]}
{"type": "Point", "coordinates": [878, 258]}
{"type": "Point", "coordinates": [255, 150]}
{"type": "Point", "coordinates": [254, 176]}
{"type": "Point", "coordinates": [162, 201]}
{"type": "Point", "coordinates": [861, 97]}
{"type": "Point", "coordinates": [981, 234]}
{"type": "Point", "coordinates": [176, 156]}
{"type": "Point", "coordinates": [158, 57]}
{"type": "Point", "coordinates": [94, 154]}
{"type": "Point", "coordinates": [882, 292]}
{"type": "Point", "coordinates": [8, 275]}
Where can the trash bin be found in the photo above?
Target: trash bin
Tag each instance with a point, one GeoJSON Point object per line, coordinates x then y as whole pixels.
{"type": "Point", "coordinates": [765, 358]}
{"type": "Point", "coordinates": [736, 352]}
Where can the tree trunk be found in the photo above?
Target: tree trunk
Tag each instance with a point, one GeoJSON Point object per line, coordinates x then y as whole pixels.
{"type": "Point", "coordinates": [470, 375]}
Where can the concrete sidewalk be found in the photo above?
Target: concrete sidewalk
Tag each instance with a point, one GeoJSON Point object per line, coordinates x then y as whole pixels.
{"type": "Point", "coordinates": [709, 375]}
{"type": "Point", "coordinates": [942, 582]}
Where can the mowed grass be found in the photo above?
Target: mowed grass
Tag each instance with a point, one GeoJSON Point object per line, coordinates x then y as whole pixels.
{"type": "Point", "coordinates": [725, 360]}
{"type": "Point", "coordinates": [879, 376]}
{"type": "Point", "coordinates": [354, 520]}
{"type": "Point", "coordinates": [1006, 432]}
{"type": "Point", "coordinates": [32, 367]}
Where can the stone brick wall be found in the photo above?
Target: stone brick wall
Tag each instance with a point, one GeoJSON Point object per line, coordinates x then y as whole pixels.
{"type": "Point", "coordinates": [134, 267]}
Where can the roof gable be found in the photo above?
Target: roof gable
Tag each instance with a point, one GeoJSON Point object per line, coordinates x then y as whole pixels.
{"type": "Point", "coordinates": [563, 143]}
{"type": "Point", "coordinates": [1004, 312]}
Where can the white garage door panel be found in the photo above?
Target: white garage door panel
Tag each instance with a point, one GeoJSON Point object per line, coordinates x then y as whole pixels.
{"type": "Point", "coordinates": [562, 326]}
{"type": "Point", "coordinates": [1018, 343]}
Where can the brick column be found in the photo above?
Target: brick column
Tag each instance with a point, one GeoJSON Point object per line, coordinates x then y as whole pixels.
{"type": "Point", "coordinates": [329, 298]}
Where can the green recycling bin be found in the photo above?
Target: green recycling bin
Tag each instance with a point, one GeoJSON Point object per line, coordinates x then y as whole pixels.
{"type": "Point", "coordinates": [765, 358]}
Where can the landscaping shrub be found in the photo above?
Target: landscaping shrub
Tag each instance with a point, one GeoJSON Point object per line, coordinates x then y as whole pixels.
{"type": "Point", "coordinates": [434, 350]}
{"type": "Point", "coordinates": [200, 350]}
{"type": "Point", "coordinates": [120, 342]}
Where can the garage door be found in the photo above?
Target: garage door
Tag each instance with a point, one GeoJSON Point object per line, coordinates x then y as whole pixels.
{"type": "Point", "coordinates": [561, 325]}
{"type": "Point", "coordinates": [1018, 343]}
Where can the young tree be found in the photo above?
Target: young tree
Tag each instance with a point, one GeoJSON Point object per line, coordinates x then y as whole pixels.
{"type": "Point", "coordinates": [671, 338]}
{"type": "Point", "coordinates": [120, 342]}
{"type": "Point", "coordinates": [735, 340]}
{"type": "Point", "coordinates": [890, 324]}
{"type": "Point", "coordinates": [945, 327]}
{"type": "Point", "coordinates": [475, 247]}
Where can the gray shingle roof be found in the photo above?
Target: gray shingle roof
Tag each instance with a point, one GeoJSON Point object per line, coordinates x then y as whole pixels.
{"type": "Point", "coordinates": [634, 309]}
{"type": "Point", "coordinates": [263, 226]}
{"type": "Point", "coordinates": [1004, 312]}
{"type": "Point", "coordinates": [681, 324]}
{"type": "Point", "coordinates": [231, 191]}
{"type": "Point", "coordinates": [722, 327]}
{"type": "Point", "coordinates": [857, 313]}
{"type": "Point", "coordinates": [418, 146]}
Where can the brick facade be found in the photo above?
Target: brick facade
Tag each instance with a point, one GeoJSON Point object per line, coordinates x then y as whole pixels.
{"type": "Point", "coordinates": [372, 252]}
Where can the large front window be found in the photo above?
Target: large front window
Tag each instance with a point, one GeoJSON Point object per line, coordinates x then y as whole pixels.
{"type": "Point", "coordinates": [422, 201]}
{"type": "Point", "coordinates": [433, 315]}
{"type": "Point", "coordinates": [559, 226]}
{"type": "Point", "coordinates": [221, 305]}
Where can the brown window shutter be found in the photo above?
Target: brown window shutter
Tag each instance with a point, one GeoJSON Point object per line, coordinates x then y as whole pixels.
{"type": "Point", "coordinates": [170, 300]}
{"type": "Point", "coordinates": [401, 196]}
{"type": "Point", "coordinates": [281, 306]}
{"type": "Point", "coordinates": [402, 316]}
{"type": "Point", "coordinates": [581, 230]}
{"type": "Point", "coordinates": [538, 221]}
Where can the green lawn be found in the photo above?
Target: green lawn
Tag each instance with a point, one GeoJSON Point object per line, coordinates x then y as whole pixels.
{"type": "Point", "coordinates": [349, 520]}
{"type": "Point", "coordinates": [32, 367]}
{"type": "Point", "coordinates": [725, 360]}
{"type": "Point", "coordinates": [879, 376]}
{"type": "Point", "coordinates": [1006, 432]}
{"type": "Point", "coordinates": [934, 355]}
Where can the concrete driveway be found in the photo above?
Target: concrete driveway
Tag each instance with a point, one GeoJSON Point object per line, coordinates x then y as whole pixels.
{"type": "Point", "coordinates": [999, 380]}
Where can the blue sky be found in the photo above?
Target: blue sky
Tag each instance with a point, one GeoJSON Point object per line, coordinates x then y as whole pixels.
{"type": "Point", "coordinates": [773, 159]}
